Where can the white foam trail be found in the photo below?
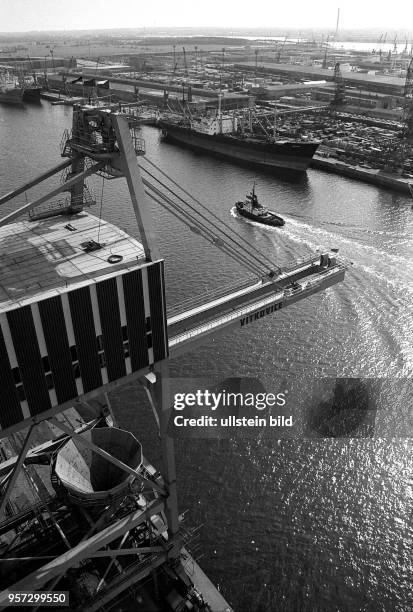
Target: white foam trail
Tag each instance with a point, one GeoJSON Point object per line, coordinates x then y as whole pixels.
{"type": "Point", "coordinates": [314, 236]}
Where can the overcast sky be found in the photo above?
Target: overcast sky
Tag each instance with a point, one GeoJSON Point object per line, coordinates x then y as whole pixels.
{"type": "Point", "coordinates": [24, 15]}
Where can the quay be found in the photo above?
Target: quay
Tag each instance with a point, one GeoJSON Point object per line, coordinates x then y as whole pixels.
{"type": "Point", "coordinates": [356, 104]}
{"type": "Point", "coordinates": [380, 178]}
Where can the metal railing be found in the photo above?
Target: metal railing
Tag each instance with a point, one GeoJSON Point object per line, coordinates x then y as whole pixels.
{"type": "Point", "coordinates": [94, 143]}
{"type": "Point", "coordinates": [209, 296]}
{"type": "Point", "coordinates": [63, 205]}
{"type": "Point", "coordinates": [225, 318]}
{"type": "Point", "coordinates": [219, 320]}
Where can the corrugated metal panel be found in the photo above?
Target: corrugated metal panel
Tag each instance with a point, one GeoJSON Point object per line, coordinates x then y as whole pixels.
{"type": "Point", "coordinates": [85, 335]}
{"type": "Point", "coordinates": [162, 269]}
{"type": "Point", "coordinates": [10, 409]}
{"type": "Point", "coordinates": [135, 314]}
{"type": "Point", "coordinates": [111, 328]}
{"type": "Point", "coordinates": [157, 311]}
{"type": "Point", "coordinates": [28, 356]}
{"type": "Point", "coordinates": [54, 330]}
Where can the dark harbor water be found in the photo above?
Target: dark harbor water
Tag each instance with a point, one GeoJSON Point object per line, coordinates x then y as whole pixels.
{"type": "Point", "coordinates": [286, 525]}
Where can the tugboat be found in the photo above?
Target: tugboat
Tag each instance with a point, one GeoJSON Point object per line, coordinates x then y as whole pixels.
{"type": "Point", "coordinates": [252, 209]}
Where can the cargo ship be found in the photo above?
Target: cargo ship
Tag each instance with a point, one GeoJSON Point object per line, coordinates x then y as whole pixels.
{"type": "Point", "coordinates": [31, 89]}
{"type": "Point", "coordinates": [220, 136]}
{"type": "Point", "coordinates": [10, 90]}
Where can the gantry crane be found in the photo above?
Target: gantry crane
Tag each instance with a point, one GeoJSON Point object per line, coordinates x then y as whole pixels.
{"type": "Point", "coordinates": [339, 94]}
{"type": "Point", "coordinates": [94, 319]}
{"type": "Point", "coordinates": [407, 118]}
{"type": "Point", "coordinates": [185, 63]}
{"type": "Point", "coordinates": [324, 65]}
{"type": "Point", "coordinates": [281, 49]}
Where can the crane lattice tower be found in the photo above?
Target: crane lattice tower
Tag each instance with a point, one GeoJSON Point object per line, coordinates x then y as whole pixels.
{"type": "Point", "coordinates": [340, 94]}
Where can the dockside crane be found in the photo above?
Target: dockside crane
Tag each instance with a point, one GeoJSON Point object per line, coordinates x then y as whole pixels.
{"type": "Point", "coordinates": [282, 48]}
{"type": "Point", "coordinates": [32, 70]}
{"type": "Point", "coordinates": [339, 95]}
{"type": "Point", "coordinates": [325, 53]}
{"type": "Point", "coordinates": [53, 64]}
{"type": "Point", "coordinates": [221, 72]}
{"type": "Point", "coordinates": [394, 55]}
{"type": "Point", "coordinates": [93, 323]}
{"type": "Point", "coordinates": [407, 118]}
{"type": "Point", "coordinates": [185, 63]}
{"type": "Point", "coordinates": [45, 77]}
{"type": "Point", "coordinates": [378, 43]}
{"type": "Point", "coordinates": [398, 149]}
{"type": "Point", "coordinates": [382, 46]}
{"type": "Point", "coordinates": [379, 46]}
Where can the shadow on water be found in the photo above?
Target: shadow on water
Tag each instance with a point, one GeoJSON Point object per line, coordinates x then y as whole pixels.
{"type": "Point", "coordinates": [350, 412]}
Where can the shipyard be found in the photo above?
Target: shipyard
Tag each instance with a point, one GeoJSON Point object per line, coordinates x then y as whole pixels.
{"type": "Point", "coordinates": [191, 219]}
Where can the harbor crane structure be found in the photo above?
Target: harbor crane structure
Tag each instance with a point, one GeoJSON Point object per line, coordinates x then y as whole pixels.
{"type": "Point", "coordinates": [325, 63]}
{"type": "Point", "coordinates": [340, 92]}
{"type": "Point", "coordinates": [399, 148]}
{"type": "Point", "coordinates": [83, 311]}
{"type": "Point", "coordinates": [186, 73]}
{"type": "Point", "coordinates": [407, 119]}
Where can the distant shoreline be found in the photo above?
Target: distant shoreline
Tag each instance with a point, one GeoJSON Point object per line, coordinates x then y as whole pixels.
{"type": "Point", "coordinates": [151, 35]}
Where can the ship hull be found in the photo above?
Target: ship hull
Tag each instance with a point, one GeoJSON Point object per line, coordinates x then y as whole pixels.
{"type": "Point", "coordinates": [273, 221]}
{"type": "Point", "coordinates": [291, 156]}
{"type": "Point", "coordinates": [11, 96]}
{"type": "Point", "coordinates": [32, 94]}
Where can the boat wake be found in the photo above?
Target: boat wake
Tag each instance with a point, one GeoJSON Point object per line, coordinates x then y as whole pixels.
{"type": "Point", "coordinates": [314, 237]}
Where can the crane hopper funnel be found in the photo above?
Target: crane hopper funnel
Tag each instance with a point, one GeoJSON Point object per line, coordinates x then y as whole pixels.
{"type": "Point", "coordinates": [90, 479]}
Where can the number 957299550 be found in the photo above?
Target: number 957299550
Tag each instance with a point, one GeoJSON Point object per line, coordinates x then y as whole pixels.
{"type": "Point", "coordinates": [30, 598]}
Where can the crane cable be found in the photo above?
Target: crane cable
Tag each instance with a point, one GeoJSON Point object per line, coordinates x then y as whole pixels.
{"type": "Point", "coordinates": [198, 228]}
{"type": "Point", "coordinates": [246, 263]}
{"type": "Point", "coordinates": [212, 214]}
{"type": "Point", "coordinates": [193, 224]}
{"type": "Point", "coordinates": [262, 259]}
